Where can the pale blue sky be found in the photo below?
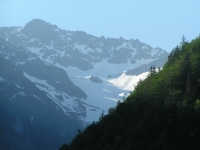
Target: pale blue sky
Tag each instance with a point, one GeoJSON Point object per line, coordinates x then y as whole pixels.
{"type": "Point", "coordinates": [159, 23]}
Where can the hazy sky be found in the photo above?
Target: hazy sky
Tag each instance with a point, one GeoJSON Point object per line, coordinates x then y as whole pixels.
{"type": "Point", "coordinates": [159, 23]}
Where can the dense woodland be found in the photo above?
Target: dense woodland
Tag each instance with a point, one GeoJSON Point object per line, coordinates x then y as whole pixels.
{"type": "Point", "coordinates": [162, 113]}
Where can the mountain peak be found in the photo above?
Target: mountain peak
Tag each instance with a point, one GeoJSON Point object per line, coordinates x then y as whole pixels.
{"type": "Point", "coordinates": [42, 30]}
{"type": "Point", "coordinates": [38, 23]}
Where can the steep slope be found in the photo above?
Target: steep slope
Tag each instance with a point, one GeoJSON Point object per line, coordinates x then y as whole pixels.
{"type": "Point", "coordinates": [163, 112]}
{"type": "Point", "coordinates": [29, 118]}
{"type": "Point", "coordinates": [47, 78]}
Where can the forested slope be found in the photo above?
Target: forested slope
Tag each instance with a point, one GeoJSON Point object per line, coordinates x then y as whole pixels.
{"type": "Point", "coordinates": [163, 112]}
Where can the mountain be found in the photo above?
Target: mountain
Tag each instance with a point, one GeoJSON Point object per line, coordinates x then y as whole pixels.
{"type": "Point", "coordinates": [28, 114]}
{"type": "Point", "coordinates": [68, 74]}
{"type": "Point", "coordinates": [163, 112]}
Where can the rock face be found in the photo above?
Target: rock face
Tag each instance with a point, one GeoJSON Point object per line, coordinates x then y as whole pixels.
{"type": "Point", "coordinates": [47, 71]}
{"type": "Point", "coordinates": [95, 79]}
{"type": "Point", "coordinates": [29, 119]}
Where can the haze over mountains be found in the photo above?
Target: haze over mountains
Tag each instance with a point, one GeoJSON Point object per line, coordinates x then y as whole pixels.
{"type": "Point", "coordinates": [58, 80]}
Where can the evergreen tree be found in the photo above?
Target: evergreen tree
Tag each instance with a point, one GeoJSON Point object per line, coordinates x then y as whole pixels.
{"type": "Point", "coordinates": [152, 70]}
{"type": "Point", "coordinates": [183, 40]}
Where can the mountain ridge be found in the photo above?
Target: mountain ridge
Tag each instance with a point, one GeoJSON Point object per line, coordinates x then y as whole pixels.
{"type": "Point", "coordinates": [71, 69]}
{"type": "Point", "coordinates": [79, 55]}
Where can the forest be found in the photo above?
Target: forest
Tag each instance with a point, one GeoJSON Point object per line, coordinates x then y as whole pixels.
{"type": "Point", "coordinates": [162, 113]}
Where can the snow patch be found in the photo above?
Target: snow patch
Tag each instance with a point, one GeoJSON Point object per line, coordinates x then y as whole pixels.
{"type": "Point", "coordinates": [32, 119]}
{"type": "Point", "coordinates": [121, 94]}
{"type": "Point", "coordinates": [36, 51]}
{"type": "Point", "coordinates": [82, 48]}
{"type": "Point", "coordinates": [108, 93]}
{"type": "Point", "coordinates": [66, 102]}
{"type": "Point", "coordinates": [18, 86]}
{"type": "Point", "coordinates": [112, 99]}
{"type": "Point", "coordinates": [2, 79]}
{"type": "Point", "coordinates": [127, 82]}
{"type": "Point", "coordinates": [20, 63]}
{"type": "Point", "coordinates": [124, 45]}
{"type": "Point", "coordinates": [19, 93]}
{"type": "Point", "coordinates": [57, 30]}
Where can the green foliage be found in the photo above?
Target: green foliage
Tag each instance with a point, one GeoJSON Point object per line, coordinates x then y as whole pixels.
{"type": "Point", "coordinates": [64, 147]}
{"type": "Point", "coordinates": [197, 105]}
{"type": "Point", "coordinates": [162, 113]}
